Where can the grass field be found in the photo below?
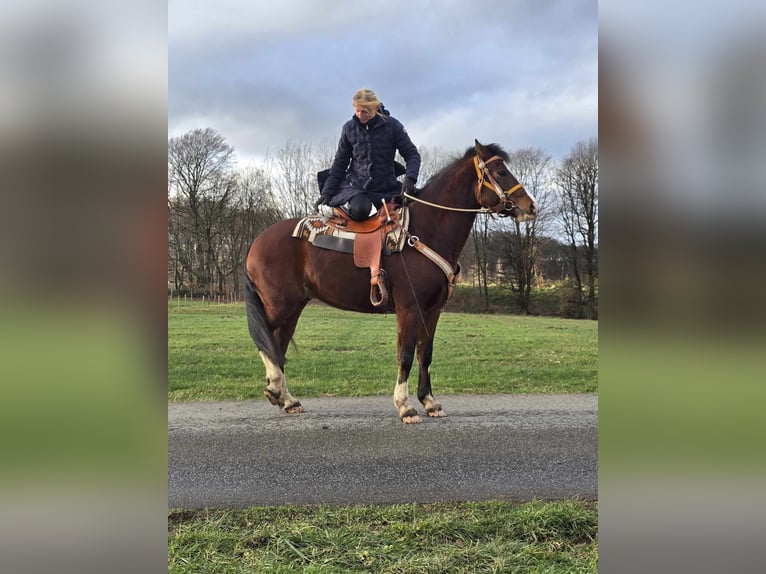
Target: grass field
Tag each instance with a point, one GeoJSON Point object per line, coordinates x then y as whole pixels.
{"type": "Point", "coordinates": [337, 353]}
{"type": "Point", "coordinates": [549, 537]}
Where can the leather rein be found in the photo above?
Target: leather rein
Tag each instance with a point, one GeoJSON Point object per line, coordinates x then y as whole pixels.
{"type": "Point", "coordinates": [485, 179]}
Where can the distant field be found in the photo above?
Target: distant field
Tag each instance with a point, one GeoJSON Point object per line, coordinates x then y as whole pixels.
{"type": "Point", "coordinates": [211, 355]}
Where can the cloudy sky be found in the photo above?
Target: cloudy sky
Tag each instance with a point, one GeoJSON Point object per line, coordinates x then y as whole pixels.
{"type": "Point", "coordinates": [522, 73]}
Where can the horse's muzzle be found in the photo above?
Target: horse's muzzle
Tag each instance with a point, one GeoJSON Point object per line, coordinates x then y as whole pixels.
{"type": "Point", "coordinates": [513, 210]}
{"type": "Point", "coordinates": [519, 214]}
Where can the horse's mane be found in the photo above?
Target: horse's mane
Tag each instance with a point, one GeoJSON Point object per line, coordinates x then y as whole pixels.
{"type": "Point", "coordinates": [493, 148]}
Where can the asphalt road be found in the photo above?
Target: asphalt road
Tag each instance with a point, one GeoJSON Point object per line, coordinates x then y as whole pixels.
{"type": "Point", "coordinates": [355, 450]}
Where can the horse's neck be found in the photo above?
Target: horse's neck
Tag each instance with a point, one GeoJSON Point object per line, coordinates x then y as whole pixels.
{"type": "Point", "coordinates": [442, 230]}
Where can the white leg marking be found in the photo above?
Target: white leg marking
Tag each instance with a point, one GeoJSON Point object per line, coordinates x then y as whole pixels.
{"type": "Point", "coordinates": [276, 390]}
{"type": "Point", "coordinates": [433, 409]}
{"type": "Point", "coordinates": [402, 403]}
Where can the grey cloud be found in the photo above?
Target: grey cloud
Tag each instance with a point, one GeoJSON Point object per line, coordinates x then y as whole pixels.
{"type": "Point", "coordinates": [293, 75]}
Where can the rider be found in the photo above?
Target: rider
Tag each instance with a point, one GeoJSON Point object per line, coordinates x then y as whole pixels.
{"type": "Point", "coordinates": [362, 173]}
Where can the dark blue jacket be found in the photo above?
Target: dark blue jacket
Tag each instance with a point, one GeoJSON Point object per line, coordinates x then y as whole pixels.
{"type": "Point", "coordinates": [364, 161]}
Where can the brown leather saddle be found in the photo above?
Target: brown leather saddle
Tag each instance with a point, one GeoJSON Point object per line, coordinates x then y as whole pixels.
{"type": "Point", "coordinates": [369, 243]}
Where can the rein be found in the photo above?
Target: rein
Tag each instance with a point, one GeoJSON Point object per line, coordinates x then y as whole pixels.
{"type": "Point", "coordinates": [439, 206]}
{"type": "Point", "coordinates": [485, 179]}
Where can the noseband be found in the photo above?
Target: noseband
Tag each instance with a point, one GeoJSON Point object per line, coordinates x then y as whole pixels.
{"type": "Point", "coordinates": [485, 179]}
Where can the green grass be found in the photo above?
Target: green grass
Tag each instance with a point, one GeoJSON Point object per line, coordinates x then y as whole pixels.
{"type": "Point", "coordinates": [337, 353]}
{"type": "Point", "coordinates": [496, 537]}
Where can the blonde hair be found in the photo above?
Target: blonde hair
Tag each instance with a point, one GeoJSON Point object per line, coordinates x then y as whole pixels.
{"type": "Point", "coordinates": [366, 98]}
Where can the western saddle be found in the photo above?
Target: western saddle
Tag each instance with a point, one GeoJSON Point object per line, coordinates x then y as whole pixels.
{"type": "Point", "coordinates": [369, 244]}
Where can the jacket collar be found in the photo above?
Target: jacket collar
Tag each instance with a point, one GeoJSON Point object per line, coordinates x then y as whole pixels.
{"type": "Point", "coordinates": [373, 123]}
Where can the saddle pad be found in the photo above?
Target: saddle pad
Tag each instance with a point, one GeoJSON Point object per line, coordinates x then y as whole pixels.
{"type": "Point", "coordinates": [317, 226]}
{"type": "Point", "coordinates": [342, 244]}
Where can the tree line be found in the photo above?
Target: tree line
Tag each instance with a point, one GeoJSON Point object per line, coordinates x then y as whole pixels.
{"type": "Point", "coordinates": [216, 209]}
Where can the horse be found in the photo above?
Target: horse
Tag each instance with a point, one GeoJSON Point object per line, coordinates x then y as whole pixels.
{"type": "Point", "coordinates": [283, 273]}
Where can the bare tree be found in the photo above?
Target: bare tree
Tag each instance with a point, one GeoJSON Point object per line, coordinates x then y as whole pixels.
{"type": "Point", "coordinates": [433, 160]}
{"type": "Point", "coordinates": [323, 153]}
{"type": "Point", "coordinates": [577, 186]}
{"type": "Point", "coordinates": [481, 235]}
{"type": "Point", "coordinates": [520, 241]}
{"type": "Point", "coordinates": [253, 209]}
{"type": "Point", "coordinates": [180, 243]}
{"type": "Point", "coordinates": [199, 186]}
{"type": "Point", "coordinates": [294, 179]}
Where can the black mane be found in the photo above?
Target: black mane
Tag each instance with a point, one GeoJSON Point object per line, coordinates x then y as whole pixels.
{"type": "Point", "coordinates": [493, 148]}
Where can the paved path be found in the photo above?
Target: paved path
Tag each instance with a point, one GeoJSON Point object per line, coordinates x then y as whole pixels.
{"type": "Point", "coordinates": [355, 450]}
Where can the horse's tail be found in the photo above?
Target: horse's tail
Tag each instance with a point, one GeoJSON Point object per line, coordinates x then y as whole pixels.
{"type": "Point", "coordinates": [259, 329]}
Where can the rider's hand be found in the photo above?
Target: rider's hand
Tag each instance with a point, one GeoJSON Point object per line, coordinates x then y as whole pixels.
{"type": "Point", "coordinates": [323, 200]}
{"type": "Point", "coordinates": [408, 186]}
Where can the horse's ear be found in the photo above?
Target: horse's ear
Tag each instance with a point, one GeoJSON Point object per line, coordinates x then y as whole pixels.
{"type": "Point", "coordinates": [481, 151]}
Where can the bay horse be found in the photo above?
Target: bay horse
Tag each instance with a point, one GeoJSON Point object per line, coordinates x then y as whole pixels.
{"type": "Point", "coordinates": [284, 273]}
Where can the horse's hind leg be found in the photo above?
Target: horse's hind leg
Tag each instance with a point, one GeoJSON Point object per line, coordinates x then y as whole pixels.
{"type": "Point", "coordinates": [276, 389]}
{"type": "Point", "coordinates": [272, 344]}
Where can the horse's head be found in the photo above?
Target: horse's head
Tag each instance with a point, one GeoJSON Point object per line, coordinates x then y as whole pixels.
{"type": "Point", "coordinates": [498, 190]}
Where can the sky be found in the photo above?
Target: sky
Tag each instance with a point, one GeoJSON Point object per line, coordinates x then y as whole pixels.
{"type": "Point", "coordinates": [518, 73]}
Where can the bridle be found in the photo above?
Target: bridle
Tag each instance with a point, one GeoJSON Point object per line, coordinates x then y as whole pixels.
{"type": "Point", "coordinates": [484, 179]}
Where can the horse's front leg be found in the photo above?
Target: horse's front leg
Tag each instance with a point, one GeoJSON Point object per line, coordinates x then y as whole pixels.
{"type": "Point", "coordinates": [406, 347]}
{"type": "Point", "coordinates": [425, 396]}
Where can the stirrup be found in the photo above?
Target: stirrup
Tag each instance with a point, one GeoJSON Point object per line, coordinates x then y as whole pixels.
{"type": "Point", "coordinates": [378, 289]}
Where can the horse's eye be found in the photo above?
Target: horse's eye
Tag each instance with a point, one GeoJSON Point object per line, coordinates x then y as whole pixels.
{"type": "Point", "coordinates": [502, 173]}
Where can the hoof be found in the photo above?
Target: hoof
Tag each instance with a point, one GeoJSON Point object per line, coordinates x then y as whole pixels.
{"type": "Point", "coordinates": [436, 411]}
{"type": "Point", "coordinates": [295, 409]}
{"type": "Point", "coordinates": [410, 416]}
{"type": "Point", "coordinates": [273, 399]}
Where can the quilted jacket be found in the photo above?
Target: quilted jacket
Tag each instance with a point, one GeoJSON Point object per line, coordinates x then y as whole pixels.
{"type": "Point", "coordinates": [364, 160]}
